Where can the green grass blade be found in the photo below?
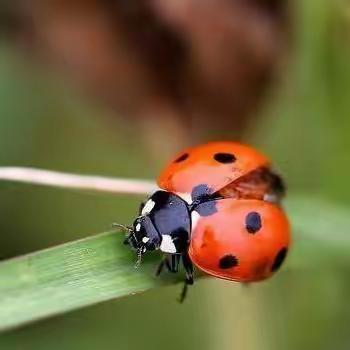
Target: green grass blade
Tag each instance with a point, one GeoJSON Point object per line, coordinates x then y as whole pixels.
{"type": "Point", "coordinates": [70, 276]}
{"type": "Point", "coordinates": [99, 268]}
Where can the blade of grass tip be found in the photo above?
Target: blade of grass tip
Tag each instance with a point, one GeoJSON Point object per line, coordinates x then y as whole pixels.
{"type": "Point", "coordinates": [70, 276]}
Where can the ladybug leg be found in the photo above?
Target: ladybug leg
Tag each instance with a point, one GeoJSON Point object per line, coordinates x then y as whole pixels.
{"type": "Point", "coordinates": [164, 262]}
{"type": "Point", "coordinates": [175, 261]}
{"type": "Point", "coordinates": [160, 267]}
{"type": "Point", "coordinates": [172, 265]}
{"type": "Point", "coordinates": [187, 263]}
{"type": "Point", "coordinates": [139, 258]}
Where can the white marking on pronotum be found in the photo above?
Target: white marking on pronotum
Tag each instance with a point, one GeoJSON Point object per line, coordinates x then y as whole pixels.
{"type": "Point", "coordinates": [138, 227]}
{"type": "Point", "coordinates": [186, 197]}
{"type": "Point", "coordinates": [194, 219]}
{"type": "Point", "coordinates": [167, 245]}
{"type": "Point", "coordinates": [145, 239]}
{"type": "Point", "coordinates": [149, 205]}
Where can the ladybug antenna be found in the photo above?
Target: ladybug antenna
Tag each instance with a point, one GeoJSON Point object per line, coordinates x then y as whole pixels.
{"type": "Point", "coordinates": [125, 228]}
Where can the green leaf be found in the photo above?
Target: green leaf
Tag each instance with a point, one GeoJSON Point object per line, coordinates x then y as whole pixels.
{"type": "Point", "coordinates": [70, 276]}
{"type": "Point", "coordinates": [100, 268]}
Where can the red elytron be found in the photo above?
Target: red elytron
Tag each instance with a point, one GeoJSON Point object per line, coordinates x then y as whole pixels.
{"type": "Point", "coordinates": [197, 165]}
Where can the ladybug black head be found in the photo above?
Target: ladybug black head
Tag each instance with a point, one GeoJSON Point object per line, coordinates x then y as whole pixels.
{"type": "Point", "coordinates": [143, 236]}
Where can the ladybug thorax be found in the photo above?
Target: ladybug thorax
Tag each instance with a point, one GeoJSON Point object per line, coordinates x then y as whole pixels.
{"type": "Point", "coordinates": [164, 223]}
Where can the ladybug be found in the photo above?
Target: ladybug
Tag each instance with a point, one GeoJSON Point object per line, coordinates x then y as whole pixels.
{"type": "Point", "coordinates": [218, 208]}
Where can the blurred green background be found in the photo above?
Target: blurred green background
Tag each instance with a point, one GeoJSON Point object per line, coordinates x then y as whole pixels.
{"type": "Point", "coordinates": [305, 128]}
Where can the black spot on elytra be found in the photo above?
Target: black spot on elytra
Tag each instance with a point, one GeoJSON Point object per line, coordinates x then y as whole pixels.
{"type": "Point", "coordinates": [204, 201]}
{"type": "Point", "coordinates": [201, 193]}
{"type": "Point", "coordinates": [253, 222]}
{"type": "Point", "coordinates": [228, 261]}
{"type": "Point", "coordinates": [224, 158]}
{"type": "Point", "coordinates": [181, 158]}
{"type": "Point", "coordinates": [281, 255]}
{"type": "Point", "coordinates": [206, 208]}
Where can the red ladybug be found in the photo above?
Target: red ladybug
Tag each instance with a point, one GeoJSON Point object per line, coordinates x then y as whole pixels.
{"type": "Point", "coordinates": [218, 208]}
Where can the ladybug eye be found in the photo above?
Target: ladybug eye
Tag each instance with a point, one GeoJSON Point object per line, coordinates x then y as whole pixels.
{"type": "Point", "coordinates": [281, 255]}
{"type": "Point", "coordinates": [224, 158]}
{"type": "Point", "coordinates": [181, 158]}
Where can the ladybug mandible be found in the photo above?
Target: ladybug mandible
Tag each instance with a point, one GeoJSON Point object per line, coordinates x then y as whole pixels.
{"type": "Point", "coordinates": [218, 208]}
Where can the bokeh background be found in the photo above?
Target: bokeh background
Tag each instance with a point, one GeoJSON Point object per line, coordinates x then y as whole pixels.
{"type": "Point", "coordinates": [114, 88]}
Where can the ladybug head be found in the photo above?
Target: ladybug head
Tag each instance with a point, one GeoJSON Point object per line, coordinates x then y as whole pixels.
{"type": "Point", "coordinates": [143, 237]}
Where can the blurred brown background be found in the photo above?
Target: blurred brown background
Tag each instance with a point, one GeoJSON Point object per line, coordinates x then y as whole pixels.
{"type": "Point", "coordinates": [182, 64]}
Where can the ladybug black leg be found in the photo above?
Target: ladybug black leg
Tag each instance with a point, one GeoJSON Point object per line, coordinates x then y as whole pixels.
{"type": "Point", "coordinates": [184, 291]}
{"type": "Point", "coordinates": [164, 262]}
{"type": "Point", "coordinates": [172, 265]}
{"type": "Point", "coordinates": [160, 267]}
{"type": "Point", "coordinates": [188, 267]}
{"type": "Point", "coordinates": [175, 261]}
{"type": "Point", "coordinates": [187, 263]}
{"type": "Point", "coordinates": [139, 258]}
